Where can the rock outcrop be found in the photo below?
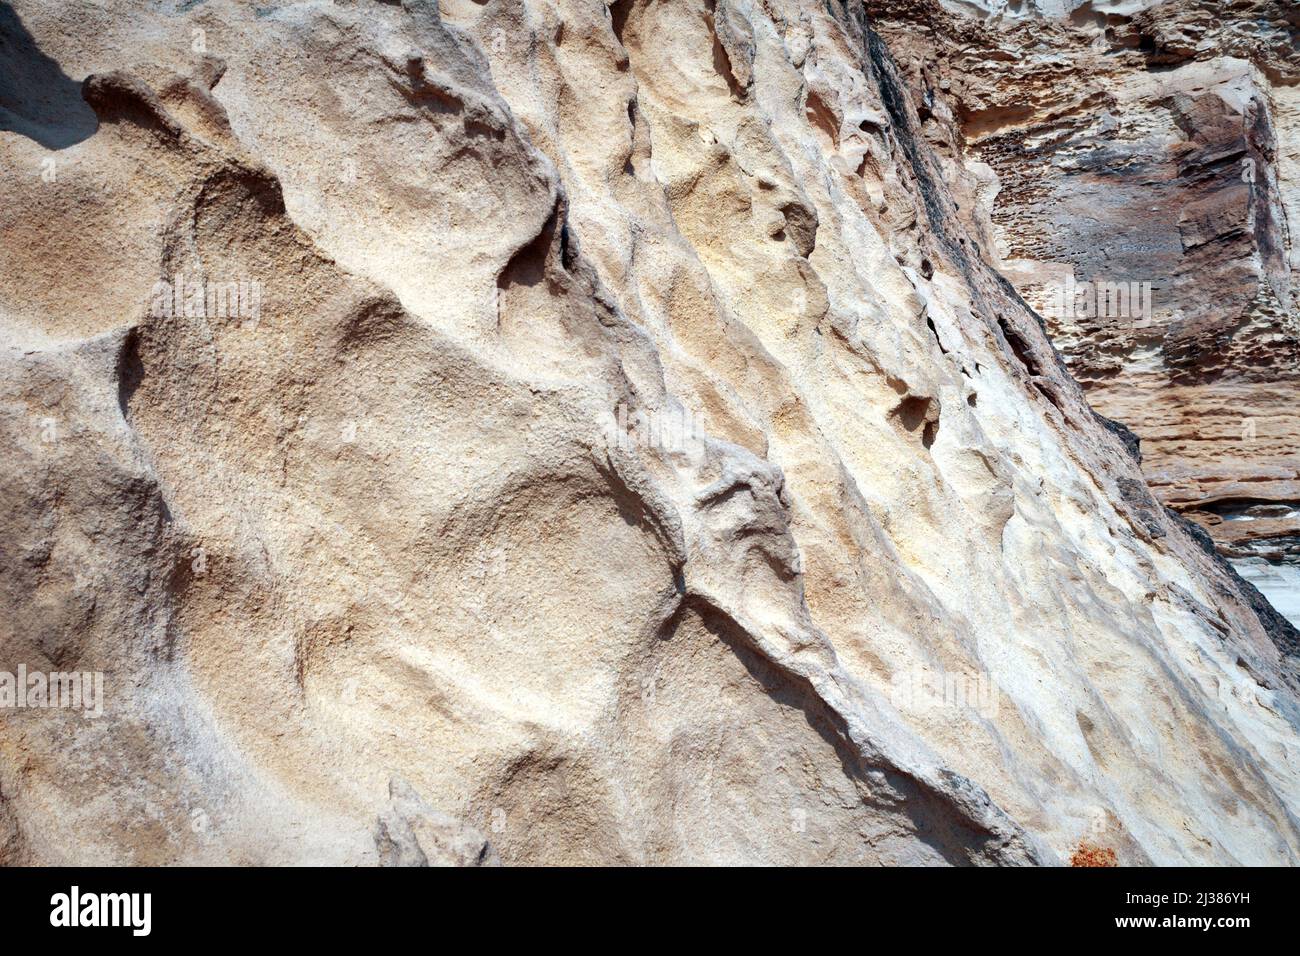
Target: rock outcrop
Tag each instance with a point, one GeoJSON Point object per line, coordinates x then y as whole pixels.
{"type": "Point", "coordinates": [1145, 158]}
{"type": "Point", "coordinates": [582, 432]}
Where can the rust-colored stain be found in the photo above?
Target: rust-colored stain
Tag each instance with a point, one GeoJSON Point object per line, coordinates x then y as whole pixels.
{"type": "Point", "coordinates": [1089, 854]}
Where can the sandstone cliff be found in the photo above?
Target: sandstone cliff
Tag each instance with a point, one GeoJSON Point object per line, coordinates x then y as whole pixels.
{"type": "Point", "coordinates": [1153, 147]}
{"type": "Point", "coordinates": [578, 432]}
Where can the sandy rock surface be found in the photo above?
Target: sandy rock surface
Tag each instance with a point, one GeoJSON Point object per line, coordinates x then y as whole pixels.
{"type": "Point", "coordinates": [568, 432]}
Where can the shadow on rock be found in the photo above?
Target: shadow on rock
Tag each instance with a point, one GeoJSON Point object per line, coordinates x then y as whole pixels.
{"type": "Point", "coordinates": [37, 99]}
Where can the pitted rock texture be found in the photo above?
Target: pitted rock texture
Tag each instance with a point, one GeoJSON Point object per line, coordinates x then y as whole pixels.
{"type": "Point", "coordinates": [345, 514]}
{"type": "Point", "coordinates": [1151, 144]}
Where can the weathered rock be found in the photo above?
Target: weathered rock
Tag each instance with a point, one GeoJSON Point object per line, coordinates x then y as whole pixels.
{"type": "Point", "coordinates": [322, 330]}
{"type": "Point", "coordinates": [1149, 150]}
{"type": "Point", "coordinates": [412, 833]}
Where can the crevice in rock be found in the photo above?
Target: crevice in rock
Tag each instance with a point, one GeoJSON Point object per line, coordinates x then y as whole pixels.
{"type": "Point", "coordinates": [1019, 347]}
{"type": "Point", "coordinates": [130, 371]}
{"type": "Point", "coordinates": [821, 117]}
{"type": "Point", "coordinates": [888, 792]}
{"type": "Point", "coordinates": [935, 332]}
{"type": "Point", "coordinates": [619, 11]}
{"type": "Point", "coordinates": [118, 96]}
{"type": "Point", "coordinates": [721, 62]}
{"type": "Point", "coordinates": [918, 414]}
{"type": "Point", "coordinates": [528, 266]}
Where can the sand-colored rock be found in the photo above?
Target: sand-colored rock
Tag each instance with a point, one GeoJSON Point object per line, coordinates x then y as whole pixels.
{"type": "Point", "coordinates": [375, 575]}
{"type": "Point", "coordinates": [1152, 149]}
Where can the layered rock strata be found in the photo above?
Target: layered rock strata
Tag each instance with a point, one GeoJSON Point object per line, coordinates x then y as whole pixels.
{"type": "Point", "coordinates": [1137, 170]}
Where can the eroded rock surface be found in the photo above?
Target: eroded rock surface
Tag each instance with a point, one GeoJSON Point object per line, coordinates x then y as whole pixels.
{"type": "Point", "coordinates": [322, 326]}
{"type": "Point", "coordinates": [1150, 149]}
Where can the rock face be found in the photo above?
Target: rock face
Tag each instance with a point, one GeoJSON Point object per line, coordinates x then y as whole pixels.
{"type": "Point", "coordinates": [568, 432]}
{"type": "Point", "coordinates": [1151, 152]}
